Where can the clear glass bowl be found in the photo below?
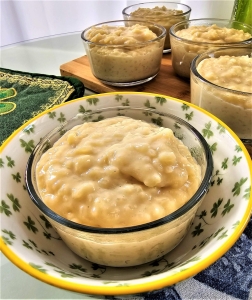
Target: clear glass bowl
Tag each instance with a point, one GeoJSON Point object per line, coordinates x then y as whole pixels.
{"type": "Point", "coordinates": [233, 107]}
{"type": "Point", "coordinates": [134, 245]}
{"type": "Point", "coordinates": [148, 12]}
{"type": "Point", "coordinates": [185, 50]}
{"type": "Point", "coordinates": [118, 62]}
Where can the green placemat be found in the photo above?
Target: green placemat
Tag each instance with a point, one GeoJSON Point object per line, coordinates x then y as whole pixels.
{"type": "Point", "coordinates": [25, 95]}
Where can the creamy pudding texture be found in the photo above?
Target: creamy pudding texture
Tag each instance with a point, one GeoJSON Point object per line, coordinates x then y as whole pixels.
{"type": "Point", "coordinates": [235, 74]}
{"type": "Point", "coordinates": [124, 54]}
{"type": "Point", "coordinates": [117, 172]}
{"type": "Point", "coordinates": [160, 15]}
{"type": "Point", "coordinates": [110, 35]}
{"type": "Point", "coordinates": [232, 72]}
{"type": "Point", "coordinates": [213, 36]}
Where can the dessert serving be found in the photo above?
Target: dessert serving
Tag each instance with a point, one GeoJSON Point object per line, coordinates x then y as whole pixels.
{"type": "Point", "coordinates": [221, 83]}
{"type": "Point", "coordinates": [117, 172]}
{"type": "Point", "coordinates": [120, 190]}
{"type": "Point", "coordinates": [194, 37]}
{"type": "Point", "coordinates": [162, 13]}
{"type": "Point", "coordinates": [123, 53]}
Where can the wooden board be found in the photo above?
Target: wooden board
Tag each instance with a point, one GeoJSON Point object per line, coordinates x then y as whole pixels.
{"type": "Point", "coordinates": [165, 83]}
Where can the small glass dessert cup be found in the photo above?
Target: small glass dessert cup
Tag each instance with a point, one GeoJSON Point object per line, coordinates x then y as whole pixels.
{"type": "Point", "coordinates": [124, 53]}
{"type": "Point", "coordinates": [201, 35]}
{"type": "Point", "coordinates": [227, 93]}
{"type": "Point", "coordinates": [159, 12]}
{"type": "Point", "coordinates": [132, 245]}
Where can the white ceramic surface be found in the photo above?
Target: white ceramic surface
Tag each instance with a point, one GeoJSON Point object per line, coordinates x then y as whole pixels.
{"type": "Point", "coordinates": [29, 242]}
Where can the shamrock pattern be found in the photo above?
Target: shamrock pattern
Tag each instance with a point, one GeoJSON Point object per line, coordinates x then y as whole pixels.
{"type": "Point", "coordinates": [219, 218]}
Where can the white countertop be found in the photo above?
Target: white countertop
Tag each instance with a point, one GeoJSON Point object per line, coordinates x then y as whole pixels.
{"type": "Point", "coordinates": [44, 55]}
{"type": "Point", "coordinates": [37, 56]}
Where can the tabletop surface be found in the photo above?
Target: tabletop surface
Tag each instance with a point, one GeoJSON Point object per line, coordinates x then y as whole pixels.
{"type": "Point", "coordinates": [37, 56]}
{"type": "Point", "coordinates": [45, 56]}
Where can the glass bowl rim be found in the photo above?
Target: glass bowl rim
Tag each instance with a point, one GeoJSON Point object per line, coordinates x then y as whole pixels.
{"type": "Point", "coordinates": [157, 2]}
{"type": "Point", "coordinates": [195, 72]}
{"type": "Point", "coordinates": [162, 35]}
{"type": "Point", "coordinates": [228, 21]}
{"type": "Point", "coordinates": [201, 191]}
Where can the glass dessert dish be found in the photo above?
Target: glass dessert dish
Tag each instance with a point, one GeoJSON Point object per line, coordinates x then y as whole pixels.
{"type": "Point", "coordinates": [159, 12]}
{"type": "Point", "coordinates": [193, 37]}
{"type": "Point", "coordinates": [229, 96]}
{"type": "Point", "coordinates": [124, 53]}
{"type": "Point", "coordinates": [130, 245]}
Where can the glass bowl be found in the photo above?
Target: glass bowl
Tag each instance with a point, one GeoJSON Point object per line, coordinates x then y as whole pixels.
{"type": "Point", "coordinates": [206, 35]}
{"type": "Point", "coordinates": [124, 53]}
{"type": "Point", "coordinates": [132, 245]}
{"type": "Point", "coordinates": [229, 96]}
{"type": "Point", "coordinates": [160, 12]}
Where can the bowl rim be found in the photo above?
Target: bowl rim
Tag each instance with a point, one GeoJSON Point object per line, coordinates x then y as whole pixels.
{"type": "Point", "coordinates": [159, 2]}
{"type": "Point", "coordinates": [138, 287]}
{"type": "Point", "coordinates": [201, 191]}
{"type": "Point", "coordinates": [194, 71]}
{"type": "Point", "coordinates": [132, 46]}
{"type": "Point", "coordinates": [172, 32]}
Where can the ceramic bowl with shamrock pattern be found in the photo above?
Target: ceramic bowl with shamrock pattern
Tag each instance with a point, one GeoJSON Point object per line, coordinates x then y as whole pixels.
{"type": "Point", "coordinates": [131, 245]}
{"type": "Point", "coordinates": [30, 242]}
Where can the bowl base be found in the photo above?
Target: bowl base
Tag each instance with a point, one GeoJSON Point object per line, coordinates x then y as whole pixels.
{"type": "Point", "coordinates": [127, 84]}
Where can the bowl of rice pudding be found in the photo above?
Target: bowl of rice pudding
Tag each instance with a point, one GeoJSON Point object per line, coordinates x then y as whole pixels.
{"type": "Point", "coordinates": [193, 37]}
{"type": "Point", "coordinates": [121, 185]}
{"type": "Point", "coordinates": [160, 12]}
{"type": "Point", "coordinates": [221, 83]}
{"type": "Point", "coordinates": [124, 53]}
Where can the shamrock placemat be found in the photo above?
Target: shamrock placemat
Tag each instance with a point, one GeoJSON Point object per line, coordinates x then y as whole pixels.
{"type": "Point", "coordinates": [25, 95]}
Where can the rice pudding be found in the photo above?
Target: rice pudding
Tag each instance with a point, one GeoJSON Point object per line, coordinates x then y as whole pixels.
{"type": "Point", "coordinates": [117, 172]}
{"type": "Point", "coordinates": [160, 15]}
{"type": "Point", "coordinates": [196, 39]}
{"type": "Point", "coordinates": [124, 54]}
{"type": "Point", "coordinates": [226, 91]}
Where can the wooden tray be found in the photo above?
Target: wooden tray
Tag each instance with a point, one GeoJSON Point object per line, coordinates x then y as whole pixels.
{"type": "Point", "coordinates": [165, 83]}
